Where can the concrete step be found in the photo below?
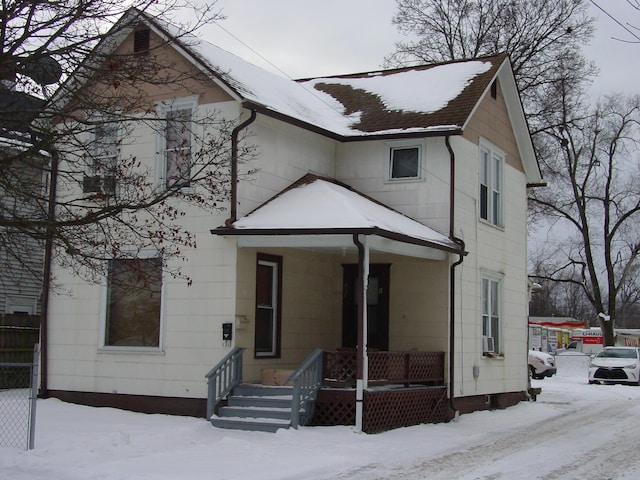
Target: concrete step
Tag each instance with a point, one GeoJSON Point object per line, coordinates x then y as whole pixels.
{"type": "Point", "coordinates": [261, 390]}
{"type": "Point", "coordinates": [255, 412]}
{"type": "Point", "coordinates": [272, 401]}
{"type": "Point", "coordinates": [251, 424]}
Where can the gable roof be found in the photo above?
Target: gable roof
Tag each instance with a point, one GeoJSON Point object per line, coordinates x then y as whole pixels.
{"type": "Point", "coordinates": [318, 206]}
{"type": "Point", "coordinates": [426, 100]}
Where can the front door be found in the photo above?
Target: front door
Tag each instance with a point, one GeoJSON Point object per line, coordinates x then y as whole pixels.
{"type": "Point", "coordinates": [377, 307]}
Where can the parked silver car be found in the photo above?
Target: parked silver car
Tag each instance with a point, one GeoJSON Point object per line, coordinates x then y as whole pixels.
{"type": "Point", "coordinates": [541, 365]}
{"type": "Point", "coordinates": [616, 365]}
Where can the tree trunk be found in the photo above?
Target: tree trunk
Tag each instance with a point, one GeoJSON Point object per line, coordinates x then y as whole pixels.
{"type": "Point", "coordinates": [608, 336]}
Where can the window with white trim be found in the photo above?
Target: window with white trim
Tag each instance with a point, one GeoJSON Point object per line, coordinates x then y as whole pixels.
{"type": "Point", "coordinates": [133, 316]}
{"type": "Point", "coordinates": [491, 174]}
{"type": "Point", "coordinates": [176, 144]}
{"type": "Point", "coordinates": [404, 160]}
{"type": "Point", "coordinates": [491, 317]}
{"type": "Point", "coordinates": [268, 299]}
{"type": "Point", "coordinates": [104, 150]}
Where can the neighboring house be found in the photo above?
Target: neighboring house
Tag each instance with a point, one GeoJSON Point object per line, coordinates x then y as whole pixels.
{"type": "Point", "coordinates": [415, 179]}
{"type": "Point", "coordinates": [21, 255]}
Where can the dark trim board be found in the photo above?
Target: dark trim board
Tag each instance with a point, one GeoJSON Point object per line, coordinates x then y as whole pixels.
{"type": "Point", "coordinates": [190, 407]}
{"type": "Point", "coordinates": [490, 401]}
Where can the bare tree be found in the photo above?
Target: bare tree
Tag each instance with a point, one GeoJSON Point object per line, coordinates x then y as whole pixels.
{"type": "Point", "coordinates": [555, 298]}
{"type": "Point", "coordinates": [543, 39]}
{"type": "Point", "coordinates": [103, 203]}
{"type": "Point", "coordinates": [592, 163]}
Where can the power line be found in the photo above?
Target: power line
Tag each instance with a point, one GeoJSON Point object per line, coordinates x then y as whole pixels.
{"type": "Point", "coordinates": [311, 92]}
{"type": "Point", "coordinates": [631, 32]}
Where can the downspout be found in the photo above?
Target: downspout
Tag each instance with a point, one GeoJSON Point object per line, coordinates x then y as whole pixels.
{"type": "Point", "coordinates": [452, 297]}
{"type": "Point", "coordinates": [362, 333]}
{"type": "Point", "coordinates": [234, 167]}
{"type": "Point", "coordinates": [46, 276]}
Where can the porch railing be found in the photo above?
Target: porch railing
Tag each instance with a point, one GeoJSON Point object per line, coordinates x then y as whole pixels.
{"type": "Point", "coordinates": [386, 367]}
{"type": "Point", "coordinates": [223, 377]}
{"type": "Point", "coordinates": [306, 380]}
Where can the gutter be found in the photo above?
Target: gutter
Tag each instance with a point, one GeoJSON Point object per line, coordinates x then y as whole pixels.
{"type": "Point", "coordinates": [234, 167]}
{"type": "Point", "coordinates": [452, 298]}
{"type": "Point", "coordinates": [46, 274]}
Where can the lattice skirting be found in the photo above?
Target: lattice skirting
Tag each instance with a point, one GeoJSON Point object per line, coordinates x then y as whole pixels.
{"type": "Point", "coordinates": [335, 407]}
{"type": "Point", "coordinates": [383, 409]}
{"type": "Point", "coordinates": [388, 409]}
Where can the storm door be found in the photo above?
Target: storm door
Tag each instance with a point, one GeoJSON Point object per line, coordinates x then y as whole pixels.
{"type": "Point", "coordinates": [377, 307]}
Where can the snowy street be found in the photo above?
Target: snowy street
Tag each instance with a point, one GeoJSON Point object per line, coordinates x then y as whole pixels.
{"type": "Point", "coordinates": [573, 431]}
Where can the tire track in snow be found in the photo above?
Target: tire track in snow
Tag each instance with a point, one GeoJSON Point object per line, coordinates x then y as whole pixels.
{"type": "Point", "coordinates": [611, 449]}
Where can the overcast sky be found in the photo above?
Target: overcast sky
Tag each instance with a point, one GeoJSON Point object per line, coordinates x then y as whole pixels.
{"type": "Point", "coordinates": [305, 38]}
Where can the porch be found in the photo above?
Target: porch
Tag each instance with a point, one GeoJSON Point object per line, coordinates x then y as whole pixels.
{"type": "Point", "coordinates": [404, 389]}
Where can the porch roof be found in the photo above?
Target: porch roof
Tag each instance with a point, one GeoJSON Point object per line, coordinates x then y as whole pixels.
{"type": "Point", "coordinates": [323, 214]}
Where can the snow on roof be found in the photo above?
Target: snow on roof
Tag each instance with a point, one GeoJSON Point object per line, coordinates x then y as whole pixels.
{"type": "Point", "coordinates": [399, 101]}
{"type": "Point", "coordinates": [325, 205]}
{"type": "Point", "coordinates": [274, 92]}
{"type": "Point", "coordinates": [422, 91]}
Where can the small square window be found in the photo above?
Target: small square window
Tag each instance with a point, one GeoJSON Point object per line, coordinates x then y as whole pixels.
{"type": "Point", "coordinates": [404, 163]}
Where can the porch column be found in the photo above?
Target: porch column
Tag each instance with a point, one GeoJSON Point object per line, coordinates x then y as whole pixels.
{"type": "Point", "coordinates": [362, 374]}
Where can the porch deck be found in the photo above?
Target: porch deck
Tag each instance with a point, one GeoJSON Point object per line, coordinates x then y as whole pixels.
{"type": "Point", "coordinates": [405, 388]}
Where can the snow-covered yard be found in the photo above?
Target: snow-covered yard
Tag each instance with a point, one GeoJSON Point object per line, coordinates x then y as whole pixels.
{"type": "Point", "coordinates": [573, 431]}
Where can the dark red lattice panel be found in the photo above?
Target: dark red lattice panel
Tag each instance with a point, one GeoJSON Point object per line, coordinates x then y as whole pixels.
{"type": "Point", "coordinates": [335, 407]}
{"type": "Point", "coordinates": [388, 409]}
{"type": "Point", "coordinates": [340, 367]}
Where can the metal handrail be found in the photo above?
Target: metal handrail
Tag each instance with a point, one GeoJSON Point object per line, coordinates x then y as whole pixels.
{"type": "Point", "coordinates": [223, 377]}
{"type": "Point", "coordinates": [306, 380]}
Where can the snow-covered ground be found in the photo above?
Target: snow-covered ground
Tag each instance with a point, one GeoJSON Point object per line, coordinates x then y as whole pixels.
{"type": "Point", "coordinates": [573, 431]}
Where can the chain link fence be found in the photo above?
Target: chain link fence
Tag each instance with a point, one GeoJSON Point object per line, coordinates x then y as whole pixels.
{"type": "Point", "coordinates": [18, 392]}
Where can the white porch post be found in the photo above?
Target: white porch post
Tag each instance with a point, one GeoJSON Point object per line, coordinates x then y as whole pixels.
{"type": "Point", "coordinates": [362, 359]}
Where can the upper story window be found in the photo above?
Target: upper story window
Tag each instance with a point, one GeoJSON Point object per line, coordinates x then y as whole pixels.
{"type": "Point", "coordinates": [104, 150]}
{"type": "Point", "coordinates": [405, 161]}
{"type": "Point", "coordinates": [177, 144]}
{"type": "Point", "coordinates": [491, 175]}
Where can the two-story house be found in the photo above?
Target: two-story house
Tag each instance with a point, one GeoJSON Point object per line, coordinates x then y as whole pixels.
{"type": "Point", "coordinates": [378, 248]}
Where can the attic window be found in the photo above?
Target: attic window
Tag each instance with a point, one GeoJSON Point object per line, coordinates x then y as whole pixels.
{"type": "Point", "coordinates": [141, 40]}
{"type": "Point", "coordinates": [494, 89]}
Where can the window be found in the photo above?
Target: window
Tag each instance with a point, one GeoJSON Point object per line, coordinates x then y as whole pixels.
{"type": "Point", "coordinates": [491, 314]}
{"type": "Point", "coordinates": [103, 159]}
{"type": "Point", "coordinates": [268, 296]}
{"type": "Point", "coordinates": [405, 161]}
{"type": "Point", "coordinates": [491, 164]}
{"type": "Point", "coordinates": [21, 304]}
{"type": "Point", "coordinates": [134, 294]}
{"type": "Point", "coordinates": [176, 145]}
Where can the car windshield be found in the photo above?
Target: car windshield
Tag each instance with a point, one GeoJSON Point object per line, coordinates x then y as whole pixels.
{"type": "Point", "coordinates": [618, 353]}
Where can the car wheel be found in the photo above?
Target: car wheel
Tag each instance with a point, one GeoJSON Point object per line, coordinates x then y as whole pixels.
{"type": "Point", "coordinates": [532, 371]}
